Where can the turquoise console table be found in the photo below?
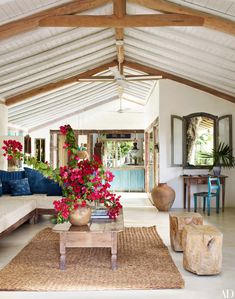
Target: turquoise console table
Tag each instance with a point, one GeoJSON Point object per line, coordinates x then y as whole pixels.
{"type": "Point", "coordinates": [130, 179]}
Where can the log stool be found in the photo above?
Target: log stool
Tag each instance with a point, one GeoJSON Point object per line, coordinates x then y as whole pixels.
{"type": "Point", "coordinates": [202, 246]}
{"type": "Point", "coordinates": [178, 220]}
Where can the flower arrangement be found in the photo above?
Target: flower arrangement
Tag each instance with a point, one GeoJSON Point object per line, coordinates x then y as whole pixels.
{"type": "Point", "coordinates": [12, 149]}
{"type": "Point", "coordinates": [83, 182]}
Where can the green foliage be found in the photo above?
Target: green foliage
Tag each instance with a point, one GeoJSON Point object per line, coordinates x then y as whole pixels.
{"type": "Point", "coordinates": [125, 147]}
{"type": "Point", "coordinates": [222, 156]}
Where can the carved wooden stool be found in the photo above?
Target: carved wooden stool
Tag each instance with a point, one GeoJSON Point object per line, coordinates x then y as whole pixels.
{"type": "Point", "coordinates": [202, 246]}
{"type": "Point", "coordinates": [178, 220]}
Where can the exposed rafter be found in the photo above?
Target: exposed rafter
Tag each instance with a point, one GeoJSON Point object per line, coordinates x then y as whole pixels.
{"type": "Point", "coordinates": [182, 80]}
{"type": "Point", "coordinates": [210, 21]}
{"type": "Point", "coordinates": [31, 22]}
{"type": "Point", "coordinates": [155, 20]}
{"type": "Point", "coordinates": [51, 86]}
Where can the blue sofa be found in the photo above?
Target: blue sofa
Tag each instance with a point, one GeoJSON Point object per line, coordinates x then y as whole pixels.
{"type": "Point", "coordinates": [38, 184]}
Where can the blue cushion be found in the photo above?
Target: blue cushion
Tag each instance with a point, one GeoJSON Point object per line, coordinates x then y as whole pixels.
{"type": "Point", "coordinates": [37, 182]}
{"type": "Point", "coordinates": [20, 187]}
{"type": "Point", "coordinates": [53, 189]}
{"type": "Point", "coordinates": [6, 176]}
{"type": "Point", "coordinates": [0, 188]}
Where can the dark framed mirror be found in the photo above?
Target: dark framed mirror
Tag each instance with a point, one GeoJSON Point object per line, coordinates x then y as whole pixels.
{"type": "Point", "coordinates": [200, 137]}
{"type": "Point", "coordinates": [195, 134]}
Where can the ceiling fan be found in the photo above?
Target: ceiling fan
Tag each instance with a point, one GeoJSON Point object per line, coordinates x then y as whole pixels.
{"type": "Point", "coordinates": [121, 109]}
{"type": "Point", "coordinates": [120, 79]}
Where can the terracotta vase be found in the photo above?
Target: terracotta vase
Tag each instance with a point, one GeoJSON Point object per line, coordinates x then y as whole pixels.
{"type": "Point", "coordinates": [80, 216]}
{"type": "Point", "coordinates": [163, 197]}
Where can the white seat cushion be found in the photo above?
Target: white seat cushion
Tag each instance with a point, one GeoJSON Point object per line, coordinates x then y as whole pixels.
{"type": "Point", "coordinates": [13, 208]}
{"type": "Point", "coordinates": [45, 202]}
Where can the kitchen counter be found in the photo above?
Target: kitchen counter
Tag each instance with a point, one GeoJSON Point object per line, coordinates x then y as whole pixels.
{"type": "Point", "coordinates": [129, 178]}
{"type": "Point", "coordinates": [128, 167]}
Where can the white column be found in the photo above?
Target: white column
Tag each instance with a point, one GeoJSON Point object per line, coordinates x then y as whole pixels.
{"type": "Point", "coordinates": [3, 133]}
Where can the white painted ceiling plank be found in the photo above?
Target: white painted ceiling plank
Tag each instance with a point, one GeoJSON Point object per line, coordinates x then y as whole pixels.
{"type": "Point", "coordinates": [49, 113]}
{"type": "Point", "coordinates": [210, 69]}
{"type": "Point", "coordinates": [86, 62]}
{"type": "Point", "coordinates": [180, 47]}
{"type": "Point", "coordinates": [181, 68]}
{"type": "Point", "coordinates": [65, 49]}
{"type": "Point", "coordinates": [67, 100]}
{"type": "Point", "coordinates": [56, 61]}
{"type": "Point", "coordinates": [178, 72]}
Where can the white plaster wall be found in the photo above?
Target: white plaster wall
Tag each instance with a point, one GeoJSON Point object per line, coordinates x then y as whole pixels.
{"type": "Point", "coordinates": [182, 100]}
{"type": "Point", "coordinates": [151, 109]}
{"type": "Point", "coordinates": [101, 118]}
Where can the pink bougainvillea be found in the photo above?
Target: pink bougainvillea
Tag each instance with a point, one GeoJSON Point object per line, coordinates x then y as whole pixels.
{"type": "Point", "coordinates": [84, 182]}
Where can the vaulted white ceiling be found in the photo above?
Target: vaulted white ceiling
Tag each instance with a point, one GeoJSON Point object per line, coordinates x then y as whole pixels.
{"type": "Point", "coordinates": [46, 55]}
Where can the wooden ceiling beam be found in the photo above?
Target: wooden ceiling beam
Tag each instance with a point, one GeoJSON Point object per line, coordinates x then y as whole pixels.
{"type": "Point", "coordinates": [119, 10]}
{"type": "Point", "coordinates": [167, 75]}
{"type": "Point", "coordinates": [31, 22]}
{"type": "Point", "coordinates": [210, 21]}
{"type": "Point", "coordinates": [51, 86]}
{"type": "Point", "coordinates": [139, 77]}
{"type": "Point", "coordinates": [155, 20]}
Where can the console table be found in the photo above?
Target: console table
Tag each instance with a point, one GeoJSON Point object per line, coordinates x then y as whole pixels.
{"type": "Point", "coordinates": [189, 180]}
{"type": "Point", "coordinates": [98, 233]}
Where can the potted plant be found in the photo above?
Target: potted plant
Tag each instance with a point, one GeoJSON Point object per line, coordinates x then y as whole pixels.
{"type": "Point", "coordinates": [222, 157]}
{"type": "Point", "coordinates": [12, 150]}
{"type": "Point", "coordinates": [83, 182]}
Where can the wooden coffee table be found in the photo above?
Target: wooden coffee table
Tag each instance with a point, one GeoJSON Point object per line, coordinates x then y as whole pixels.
{"type": "Point", "coordinates": [98, 233]}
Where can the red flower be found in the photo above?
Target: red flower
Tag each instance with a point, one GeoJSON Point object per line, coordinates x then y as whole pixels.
{"type": "Point", "coordinates": [12, 149]}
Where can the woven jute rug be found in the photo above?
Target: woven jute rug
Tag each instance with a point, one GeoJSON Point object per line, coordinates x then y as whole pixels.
{"type": "Point", "coordinates": [143, 263]}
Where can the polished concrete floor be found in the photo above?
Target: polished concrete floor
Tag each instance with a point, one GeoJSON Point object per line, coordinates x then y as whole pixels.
{"type": "Point", "coordinates": [139, 212]}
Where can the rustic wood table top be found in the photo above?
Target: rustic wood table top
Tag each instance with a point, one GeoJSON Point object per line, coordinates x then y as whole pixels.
{"type": "Point", "coordinates": [95, 225]}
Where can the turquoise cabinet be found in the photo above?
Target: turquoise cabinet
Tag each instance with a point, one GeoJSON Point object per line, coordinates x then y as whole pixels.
{"type": "Point", "coordinates": [128, 179]}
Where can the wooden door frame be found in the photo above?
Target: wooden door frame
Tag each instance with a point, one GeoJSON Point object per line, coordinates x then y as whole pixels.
{"type": "Point", "coordinates": [152, 128]}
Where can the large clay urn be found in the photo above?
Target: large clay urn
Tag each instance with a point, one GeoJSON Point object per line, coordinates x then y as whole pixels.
{"type": "Point", "coordinates": [163, 196]}
{"type": "Point", "coordinates": [80, 216]}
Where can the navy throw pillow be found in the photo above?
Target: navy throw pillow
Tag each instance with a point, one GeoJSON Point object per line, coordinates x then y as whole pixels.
{"type": "Point", "coordinates": [53, 189]}
{"type": "Point", "coordinates": [0, 188]}
{"type": "Point", "coordinates": [37, 182]}
{"type": "Point", "coordinates": [20, 187]}
{"type": "Point", "coordinates": [6, 176]}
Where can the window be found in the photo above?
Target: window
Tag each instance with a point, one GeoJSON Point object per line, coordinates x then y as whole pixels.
{"type": "Point", "coordinates": [117, 153]}
{"type": "Point", "coordinates": [40, 149]}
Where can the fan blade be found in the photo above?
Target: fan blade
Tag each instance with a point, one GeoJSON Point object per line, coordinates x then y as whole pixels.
{"type": "Point", "coordinates": [126, 111]}
{"type": "Point", "coordinates": [96, 80]}
{"type": "Point", "coordinates": [142, 78]}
